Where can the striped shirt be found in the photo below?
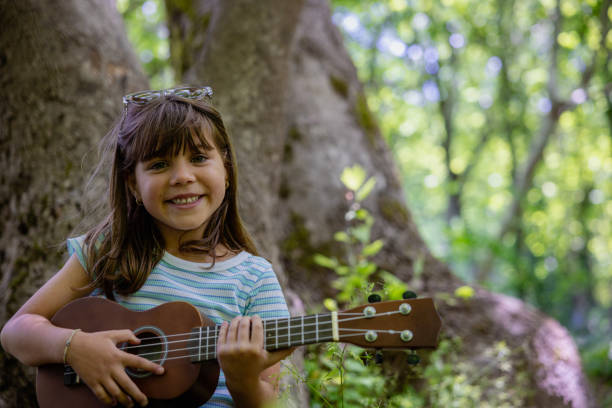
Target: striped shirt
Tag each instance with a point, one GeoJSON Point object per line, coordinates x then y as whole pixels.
{"type": "Point", "coordinates": [243, 285]}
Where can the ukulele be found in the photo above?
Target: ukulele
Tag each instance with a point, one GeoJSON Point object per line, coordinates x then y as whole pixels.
{"type": "Point", "coordinates": [176, 336]}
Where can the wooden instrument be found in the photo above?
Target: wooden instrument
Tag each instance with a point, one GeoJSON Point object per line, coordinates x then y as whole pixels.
{"type": "Point", "coordinates": [176, 336]}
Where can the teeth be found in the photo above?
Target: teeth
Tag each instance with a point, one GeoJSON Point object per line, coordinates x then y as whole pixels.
{"type": "Point", "coordinates": [185, 200]}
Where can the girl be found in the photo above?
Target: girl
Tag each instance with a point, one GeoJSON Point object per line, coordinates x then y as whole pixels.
{"type": "Point", "coordinates": [173, 233]}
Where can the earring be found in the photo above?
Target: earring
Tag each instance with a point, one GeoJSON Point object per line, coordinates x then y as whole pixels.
{"type": "Point", "coordinates": [138, 201]}
{"type": "Point", "coordinates": [226, 184]}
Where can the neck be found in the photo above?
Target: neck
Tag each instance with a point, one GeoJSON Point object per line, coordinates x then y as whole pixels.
{"type": "Point", "coordinates": [279, 334]}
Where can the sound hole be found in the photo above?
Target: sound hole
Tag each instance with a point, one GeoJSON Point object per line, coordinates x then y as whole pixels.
{"type": "Point", "coordinates": [152, 346]}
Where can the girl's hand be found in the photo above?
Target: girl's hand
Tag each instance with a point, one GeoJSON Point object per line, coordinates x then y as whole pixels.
{"type": "Point", "coordinates": [101, 365]}
{"type": "Point", "coordinates": [242, 356]}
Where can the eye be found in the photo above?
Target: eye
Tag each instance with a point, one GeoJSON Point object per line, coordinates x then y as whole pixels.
{"type": "Point", "coordinates": [158, 165]}
{"type": "Point", "coordinates": [199, 158]}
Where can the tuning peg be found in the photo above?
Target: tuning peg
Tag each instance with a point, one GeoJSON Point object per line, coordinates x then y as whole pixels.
{"type": "Point", "coordinates": [374, 297]}
{"type": "Point", "coordinates": [409, 295]}
{"type": "Point", "coordinates": [378, 357]}
{"type": "Point", "coordinates": [413, 358]}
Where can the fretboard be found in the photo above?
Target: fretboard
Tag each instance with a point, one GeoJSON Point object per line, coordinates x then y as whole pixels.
{"type": "Point", "coordinates": [279, 334]}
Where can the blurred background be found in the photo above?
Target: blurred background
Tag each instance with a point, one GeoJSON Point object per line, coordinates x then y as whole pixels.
{"type": "Point", "coordinates": [499, 114]}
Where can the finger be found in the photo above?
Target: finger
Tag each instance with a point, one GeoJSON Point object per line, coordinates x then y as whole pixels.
{"type": "Point", "coordinates": [221, 340]}
{"type": "Point", "coordinates": [131, 389]}
{"type": "Point", "coordinates": [232, 331]}
{"type": "Point", "coordinates": [117, 393]}
{"type": "Point", "coordinates": [100, 392]}
{"type": "Point", "coordinates": [141, 363]}
{"type": "Point", "coordinates": [257, 335]}
{"type": "Point", "coordinates": [119, 336]}
{"type": "Point", "coordinates": [244, 330]}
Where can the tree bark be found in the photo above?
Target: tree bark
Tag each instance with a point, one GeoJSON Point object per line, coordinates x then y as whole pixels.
{"type": "Point", "coordinates": [298, 116]}
{"type": "Point", "coordinates": [63, 68]}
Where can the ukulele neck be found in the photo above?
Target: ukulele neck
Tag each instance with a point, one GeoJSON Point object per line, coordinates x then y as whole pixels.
{"type": "Point", "coordinates": [279, 334]}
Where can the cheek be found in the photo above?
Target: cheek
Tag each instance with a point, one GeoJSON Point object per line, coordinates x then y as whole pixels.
{"type": "Point", "coordinates": [148, 189]}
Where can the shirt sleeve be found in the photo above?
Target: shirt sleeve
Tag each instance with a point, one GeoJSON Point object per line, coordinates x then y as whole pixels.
{"type": "Point", "coordinates": [266, 299]}
{"type": "Point", "coordinates": [77, 246]}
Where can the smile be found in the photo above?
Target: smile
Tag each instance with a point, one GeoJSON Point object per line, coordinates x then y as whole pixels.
{"type": "Point", "coordinates": [189, 200]}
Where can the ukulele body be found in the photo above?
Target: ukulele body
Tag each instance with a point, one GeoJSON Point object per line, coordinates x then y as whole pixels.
{"type": "Point", "coordinates": [183, 384]}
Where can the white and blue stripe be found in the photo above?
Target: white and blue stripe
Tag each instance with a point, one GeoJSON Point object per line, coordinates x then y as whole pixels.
{"type": "Point", "coordinates": [242, 285]}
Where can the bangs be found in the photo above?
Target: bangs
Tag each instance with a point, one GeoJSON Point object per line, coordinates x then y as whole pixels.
{"type": "Point", "coordinates": [167, 129]}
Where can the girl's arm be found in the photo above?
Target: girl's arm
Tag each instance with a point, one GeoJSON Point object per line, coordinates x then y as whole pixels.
{"type": "Point", "coordinates": [34, 340]}
{"type": "Point", "coordinates": [29, 335]}
{"type": "Point", "coordinates": [251, 372]}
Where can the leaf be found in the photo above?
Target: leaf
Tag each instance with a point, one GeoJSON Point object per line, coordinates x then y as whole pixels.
{"type": "Point", "coordinates": [366, 269]}
{"type": "Point", "coordinates": [353, 177]}
{"type": "Point", "coordinates": [341, 236]}
{"type": "Point", "coordinates": [362, 214]}
{"type": "Point", "coordinates": [330, 304]}
{"type": "Point", "coordinates": [366, 189]}
{"type": "Point", "coordinates": [342, 270]}
{"type": "Point", "coordinates": [464, 292]}
{"type": "Point", "coordinates": [372, 248]}
{"type": "Point", "coordinates": [362, 233]}
{"type": "Point", "coordinates": [325, 261]}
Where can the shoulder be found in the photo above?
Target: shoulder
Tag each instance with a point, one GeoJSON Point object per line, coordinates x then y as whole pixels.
{"type": "Point", "coordinates": [257, 267]}
{"type": "Point", "coordinates": [77, 247]}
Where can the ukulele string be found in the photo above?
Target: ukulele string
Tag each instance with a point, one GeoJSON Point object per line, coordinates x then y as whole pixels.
{"type": "Point", "coordinates": [211, 333]}
{"type": "Point", "coordinates": [357, 316]}
{"type": "Point", "coordinates": [214, 352]}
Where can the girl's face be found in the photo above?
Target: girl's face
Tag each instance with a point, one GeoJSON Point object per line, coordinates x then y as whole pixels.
{"type": "Point", "coordinates": [181, 192]}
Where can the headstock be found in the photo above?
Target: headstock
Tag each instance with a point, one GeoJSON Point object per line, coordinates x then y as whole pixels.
{"type": "Point", "coordinates": [408, 323]}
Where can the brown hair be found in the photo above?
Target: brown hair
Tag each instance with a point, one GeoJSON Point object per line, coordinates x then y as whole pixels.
{"type": "Point", "coordinates": [123, 249]}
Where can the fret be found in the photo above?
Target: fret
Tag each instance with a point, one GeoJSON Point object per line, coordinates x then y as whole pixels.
{"type": "Point", "coordinates": [200, 345]}
{"type": "Point", "coordinates": [278, 334]}
{"type": "Point", "coordinates": [216, 338]}
{"type": "Point", "coordinates": [316, 328]}
{"type": "Point", "coordinates": [207, 338]}
{"type": "Point", "coordinates": [269, 334]}
{"type": "Point", "coordinates": [325, 327]}
{"type": "Point", "coordinates": [195, 341]}
{"type": "Point", "coordinates": [282, 333]}
{"type": "Point", "coordinates": [296, 338]}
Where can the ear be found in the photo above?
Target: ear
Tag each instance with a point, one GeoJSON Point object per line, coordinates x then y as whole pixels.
{"type": "Point", "coordinates": [131, 185]}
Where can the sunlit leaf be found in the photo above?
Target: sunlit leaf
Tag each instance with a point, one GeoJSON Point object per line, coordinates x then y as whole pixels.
{"type": "Point", "coordinates": [353, 177]}
{"type": "Point", "coordinates": [366, 189]}
{"type": "Point", "coordinates": [325, 261]}
{"type": "Point", "coordinates": [372, 248]}
{"type": "Point", "coordinates": [464, 292]}
{"type": "Point", "coordinates": [330, 304]}
{"type": "Point", "coordinates": [341, 236]}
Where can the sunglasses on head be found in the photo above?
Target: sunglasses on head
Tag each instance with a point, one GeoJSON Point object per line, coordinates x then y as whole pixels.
{"type": "Point", "coordinates": [144, 97]}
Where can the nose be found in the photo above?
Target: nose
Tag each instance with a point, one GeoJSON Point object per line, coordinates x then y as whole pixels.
{"type": "Point", "coordinates": [182, 173]}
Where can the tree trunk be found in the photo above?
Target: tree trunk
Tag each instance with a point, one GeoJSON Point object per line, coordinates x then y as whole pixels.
{"type": "Point", "coordinates": [63, 68]}
{"type": "Point", "coordinates": [298, 116]}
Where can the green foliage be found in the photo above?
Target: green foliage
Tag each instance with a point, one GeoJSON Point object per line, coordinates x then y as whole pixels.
{"type": "Point", "coordinates": [461, 90]}
{"type": "Point", "coordinates": [145, 22]}
{"type": "Point", "coordinates": [345, 375]}
{"type": "Point", "coordinates": [598, 359]}
{"type": "Point", "coordinates": [454, 381]}
{"type": "Point", "coordinates": [341, 375]}
{"type": "Point", "coordinates": [355, 273]}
